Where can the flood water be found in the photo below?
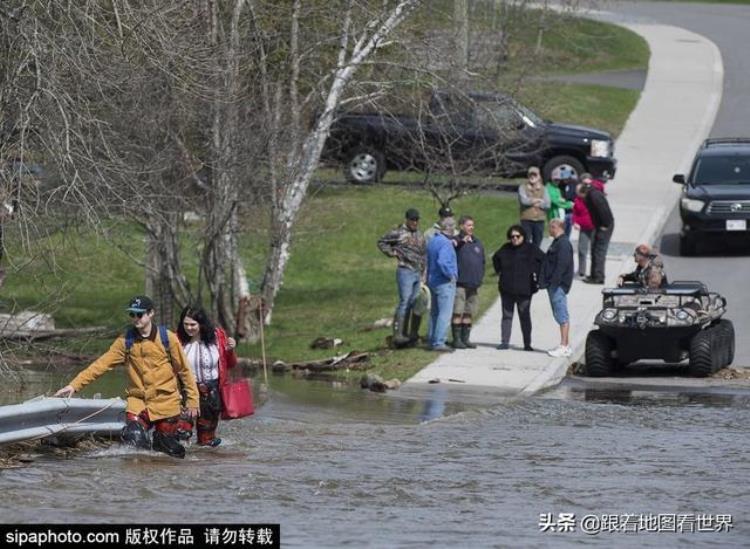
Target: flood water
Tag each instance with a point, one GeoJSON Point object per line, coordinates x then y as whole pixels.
{"type": "Point", "coordinates": [337, 467]}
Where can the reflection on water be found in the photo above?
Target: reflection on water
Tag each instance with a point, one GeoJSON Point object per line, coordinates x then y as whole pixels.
{"type": "Point", "coordinates": [339, 466]}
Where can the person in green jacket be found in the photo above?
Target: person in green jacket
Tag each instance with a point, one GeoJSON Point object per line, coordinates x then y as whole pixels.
{"type": "Point", "coordinates": [560, 206]}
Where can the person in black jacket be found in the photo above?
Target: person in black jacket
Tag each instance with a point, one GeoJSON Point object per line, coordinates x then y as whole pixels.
{"type": "Point", "coordinates": [557, 276]}
{"type": "Point", "coordinates": [470, 256]}
{"type": "Point", "coordinates": [604, 224]}
{"type": "Point", "coordinates": [517, 263]}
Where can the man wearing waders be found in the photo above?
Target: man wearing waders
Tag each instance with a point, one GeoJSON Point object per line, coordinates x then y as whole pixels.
{"type": "Point", "coordinates": [153, 367]}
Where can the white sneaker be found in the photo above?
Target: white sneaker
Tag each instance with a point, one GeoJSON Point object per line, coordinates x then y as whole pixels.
{"type": "Point", "coordinates": [561, 351]}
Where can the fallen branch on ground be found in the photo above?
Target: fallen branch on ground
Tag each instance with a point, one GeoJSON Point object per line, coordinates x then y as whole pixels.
{"type": "Point", "coordinates": [352, 360]}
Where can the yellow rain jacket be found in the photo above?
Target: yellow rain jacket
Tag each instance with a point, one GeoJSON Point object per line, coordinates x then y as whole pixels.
{"type": "Point", "coordinates": [152, 381]}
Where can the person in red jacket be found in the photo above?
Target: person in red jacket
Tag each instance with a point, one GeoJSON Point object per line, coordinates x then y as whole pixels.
{"type": "Point", "coordinates": [210, 353]}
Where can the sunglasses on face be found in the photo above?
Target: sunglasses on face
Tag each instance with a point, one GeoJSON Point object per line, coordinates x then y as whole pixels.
{"type": "Point", "coordinates": [516, 236]}
{"type": "Point", "coordinates": [134, 315]}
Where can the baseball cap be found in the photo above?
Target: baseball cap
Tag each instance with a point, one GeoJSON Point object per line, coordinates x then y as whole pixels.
{"type": "Point", "coordinates": [445, 211]}
{"type": "Point", "coordinates": [140, 304]}
{"type": "Point", "coordinates": [412, 214]}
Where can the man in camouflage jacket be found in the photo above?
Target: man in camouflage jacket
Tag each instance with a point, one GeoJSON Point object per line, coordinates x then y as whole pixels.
{"type": "Point", "coordinates": [406, 243]}
{"type": "Point", "coordinates": [649, 271]}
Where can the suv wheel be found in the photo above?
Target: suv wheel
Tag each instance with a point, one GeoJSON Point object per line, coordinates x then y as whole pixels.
{"type": "Point", "coordinates": [553, 165]}
{"type": "Point", "coordinates": [703, 351]}
{"type": "Point", "coordinates": [688, 245]}
{"type": "Point", "coordinates": [599, 360]}
{"type": "Point", "coordinates": [364, 166]}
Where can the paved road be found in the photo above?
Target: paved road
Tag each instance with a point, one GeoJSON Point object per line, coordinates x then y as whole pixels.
{"type": "Point", "coordinates": [726, 270]}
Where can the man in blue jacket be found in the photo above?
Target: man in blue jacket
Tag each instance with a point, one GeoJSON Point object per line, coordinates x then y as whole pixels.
{"type": "Point", "coordinates": [471, 260]}
{"type": "Point", "coordinates": [557, 277]}
{"type": "Point", "coordinates": [442, 273]}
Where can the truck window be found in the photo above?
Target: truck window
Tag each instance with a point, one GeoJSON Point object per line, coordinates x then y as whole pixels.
{"type": "Point", "coordinates": [452, 109]}
{"type": "Point", "coordinates": [496, 116]}
{"type": "Point", "coordinates": [722, 170]}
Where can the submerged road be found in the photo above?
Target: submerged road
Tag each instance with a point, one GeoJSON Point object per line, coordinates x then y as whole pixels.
{"type": "Point", "coordinates": [724, 268]}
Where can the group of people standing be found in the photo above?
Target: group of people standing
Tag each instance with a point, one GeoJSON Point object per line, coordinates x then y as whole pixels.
{"type": "Point", "coordinates": [450, 259]}
{"type": "Point", "coordinates": [581, 202]}
{"type": "Point", "coordinates": [174, 379]}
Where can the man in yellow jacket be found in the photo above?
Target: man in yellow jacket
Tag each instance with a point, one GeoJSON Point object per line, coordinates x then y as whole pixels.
{"type": "Point", "coordinates": [153, 395]}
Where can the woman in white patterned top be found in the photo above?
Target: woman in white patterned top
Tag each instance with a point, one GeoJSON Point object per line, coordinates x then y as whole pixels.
{"type": "Point", "coordinates": [210, 353]}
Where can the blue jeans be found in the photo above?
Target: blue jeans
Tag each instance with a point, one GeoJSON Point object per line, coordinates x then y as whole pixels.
{"type": "Point", "coordinates": [441, 312]}
{"type": "Point", "coordinates": [408, 289]}
{"type": "Point", "coordinates": [568, 223]}
{"type": "Point", "coordinates": [534, 231]}
{"type": "Point", "coordinates": [559, 303]}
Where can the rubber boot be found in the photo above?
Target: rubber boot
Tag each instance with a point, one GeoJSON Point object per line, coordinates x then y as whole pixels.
{"type": "Point", "coordinates": [416, 320]}
{"type": "Point", "coordinates": [168, 444]}
{"type": "Point", "coordinates": [399, 339]}
{"type": "Point", "coordinates": [465, 334]}
{"type": "Point", "coordinates": [133, 434]}
{"type": "Point", "coordinates": [457, 333]}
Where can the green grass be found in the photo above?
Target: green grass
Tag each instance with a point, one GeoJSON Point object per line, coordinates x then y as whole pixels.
{"type": "Point", "coordinates": [582, 45]}
{"type": "Point", "coordinates": [338, 283]}
{"type": "Point", "coordinates": [601, 107]}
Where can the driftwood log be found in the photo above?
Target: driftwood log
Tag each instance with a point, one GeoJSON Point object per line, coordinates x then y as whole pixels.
{"type": "Point", "coordinates": [353, 360]}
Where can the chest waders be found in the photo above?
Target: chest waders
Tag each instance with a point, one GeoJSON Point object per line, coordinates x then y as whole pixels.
{"type": "Point", "coordinates": [168, 431]}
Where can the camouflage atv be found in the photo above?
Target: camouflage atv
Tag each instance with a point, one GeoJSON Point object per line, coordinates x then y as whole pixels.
{"type": "Point", "coordinates": [678, 322]}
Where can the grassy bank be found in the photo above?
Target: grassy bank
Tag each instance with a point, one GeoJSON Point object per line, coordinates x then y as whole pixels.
{"type": "Point", "coordinates": [337, 283]}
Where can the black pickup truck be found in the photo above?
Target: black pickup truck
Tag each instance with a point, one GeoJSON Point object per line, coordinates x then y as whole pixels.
{"type": "Point", "coordinates": [478, 133]}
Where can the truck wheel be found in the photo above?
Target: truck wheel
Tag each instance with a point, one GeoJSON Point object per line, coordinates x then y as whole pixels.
{"type": "Point", "coordinates": [688, 245]}
{"type": "Point", "coordinates": [702, 348]}
{"type": "Point", "coordinates": [553, 165]}
{"type": "Point", "coordinates": [364, 166]}
{"type": "Point", "coordinates": [726, 329]}
{"type": "Point", "coordinates": [599, 361]}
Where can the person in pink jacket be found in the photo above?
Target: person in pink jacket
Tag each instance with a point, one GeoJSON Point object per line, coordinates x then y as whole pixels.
{"type": "Point", "coordinates": [582, 222]}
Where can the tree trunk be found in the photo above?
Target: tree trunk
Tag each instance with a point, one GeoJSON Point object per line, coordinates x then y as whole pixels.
{"type": "Point", "coordinates": [461, 30]}
{"type": "Point", "coordinates": [300, 167]}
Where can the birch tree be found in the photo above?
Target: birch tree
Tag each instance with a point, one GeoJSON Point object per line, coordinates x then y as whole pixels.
{"type": "Point", "coordinates": [361, 33]}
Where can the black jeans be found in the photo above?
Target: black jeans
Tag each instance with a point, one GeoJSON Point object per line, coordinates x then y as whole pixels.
{"type": "Point", "coordinates": [534, 231]}
{"type": "Point", "coordinates": [599, 245]}
{"type": "Point", "coordinates": [523, 302]}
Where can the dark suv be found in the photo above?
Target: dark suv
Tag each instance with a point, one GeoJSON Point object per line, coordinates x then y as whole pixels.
{"type": "Point", "coordinates": [716, 194]}
{"type": "Point", "coordinates": [465, 133]}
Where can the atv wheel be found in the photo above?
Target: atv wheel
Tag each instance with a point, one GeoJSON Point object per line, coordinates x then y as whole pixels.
{"type": "Point", "coordinates": [703, 351]}
{"type": "Point", "coordinates": [726, 329]}
{"type": "Point", "coordinates": [364, 166]}
{"type": "Point", "coordinates": [599, 361]}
